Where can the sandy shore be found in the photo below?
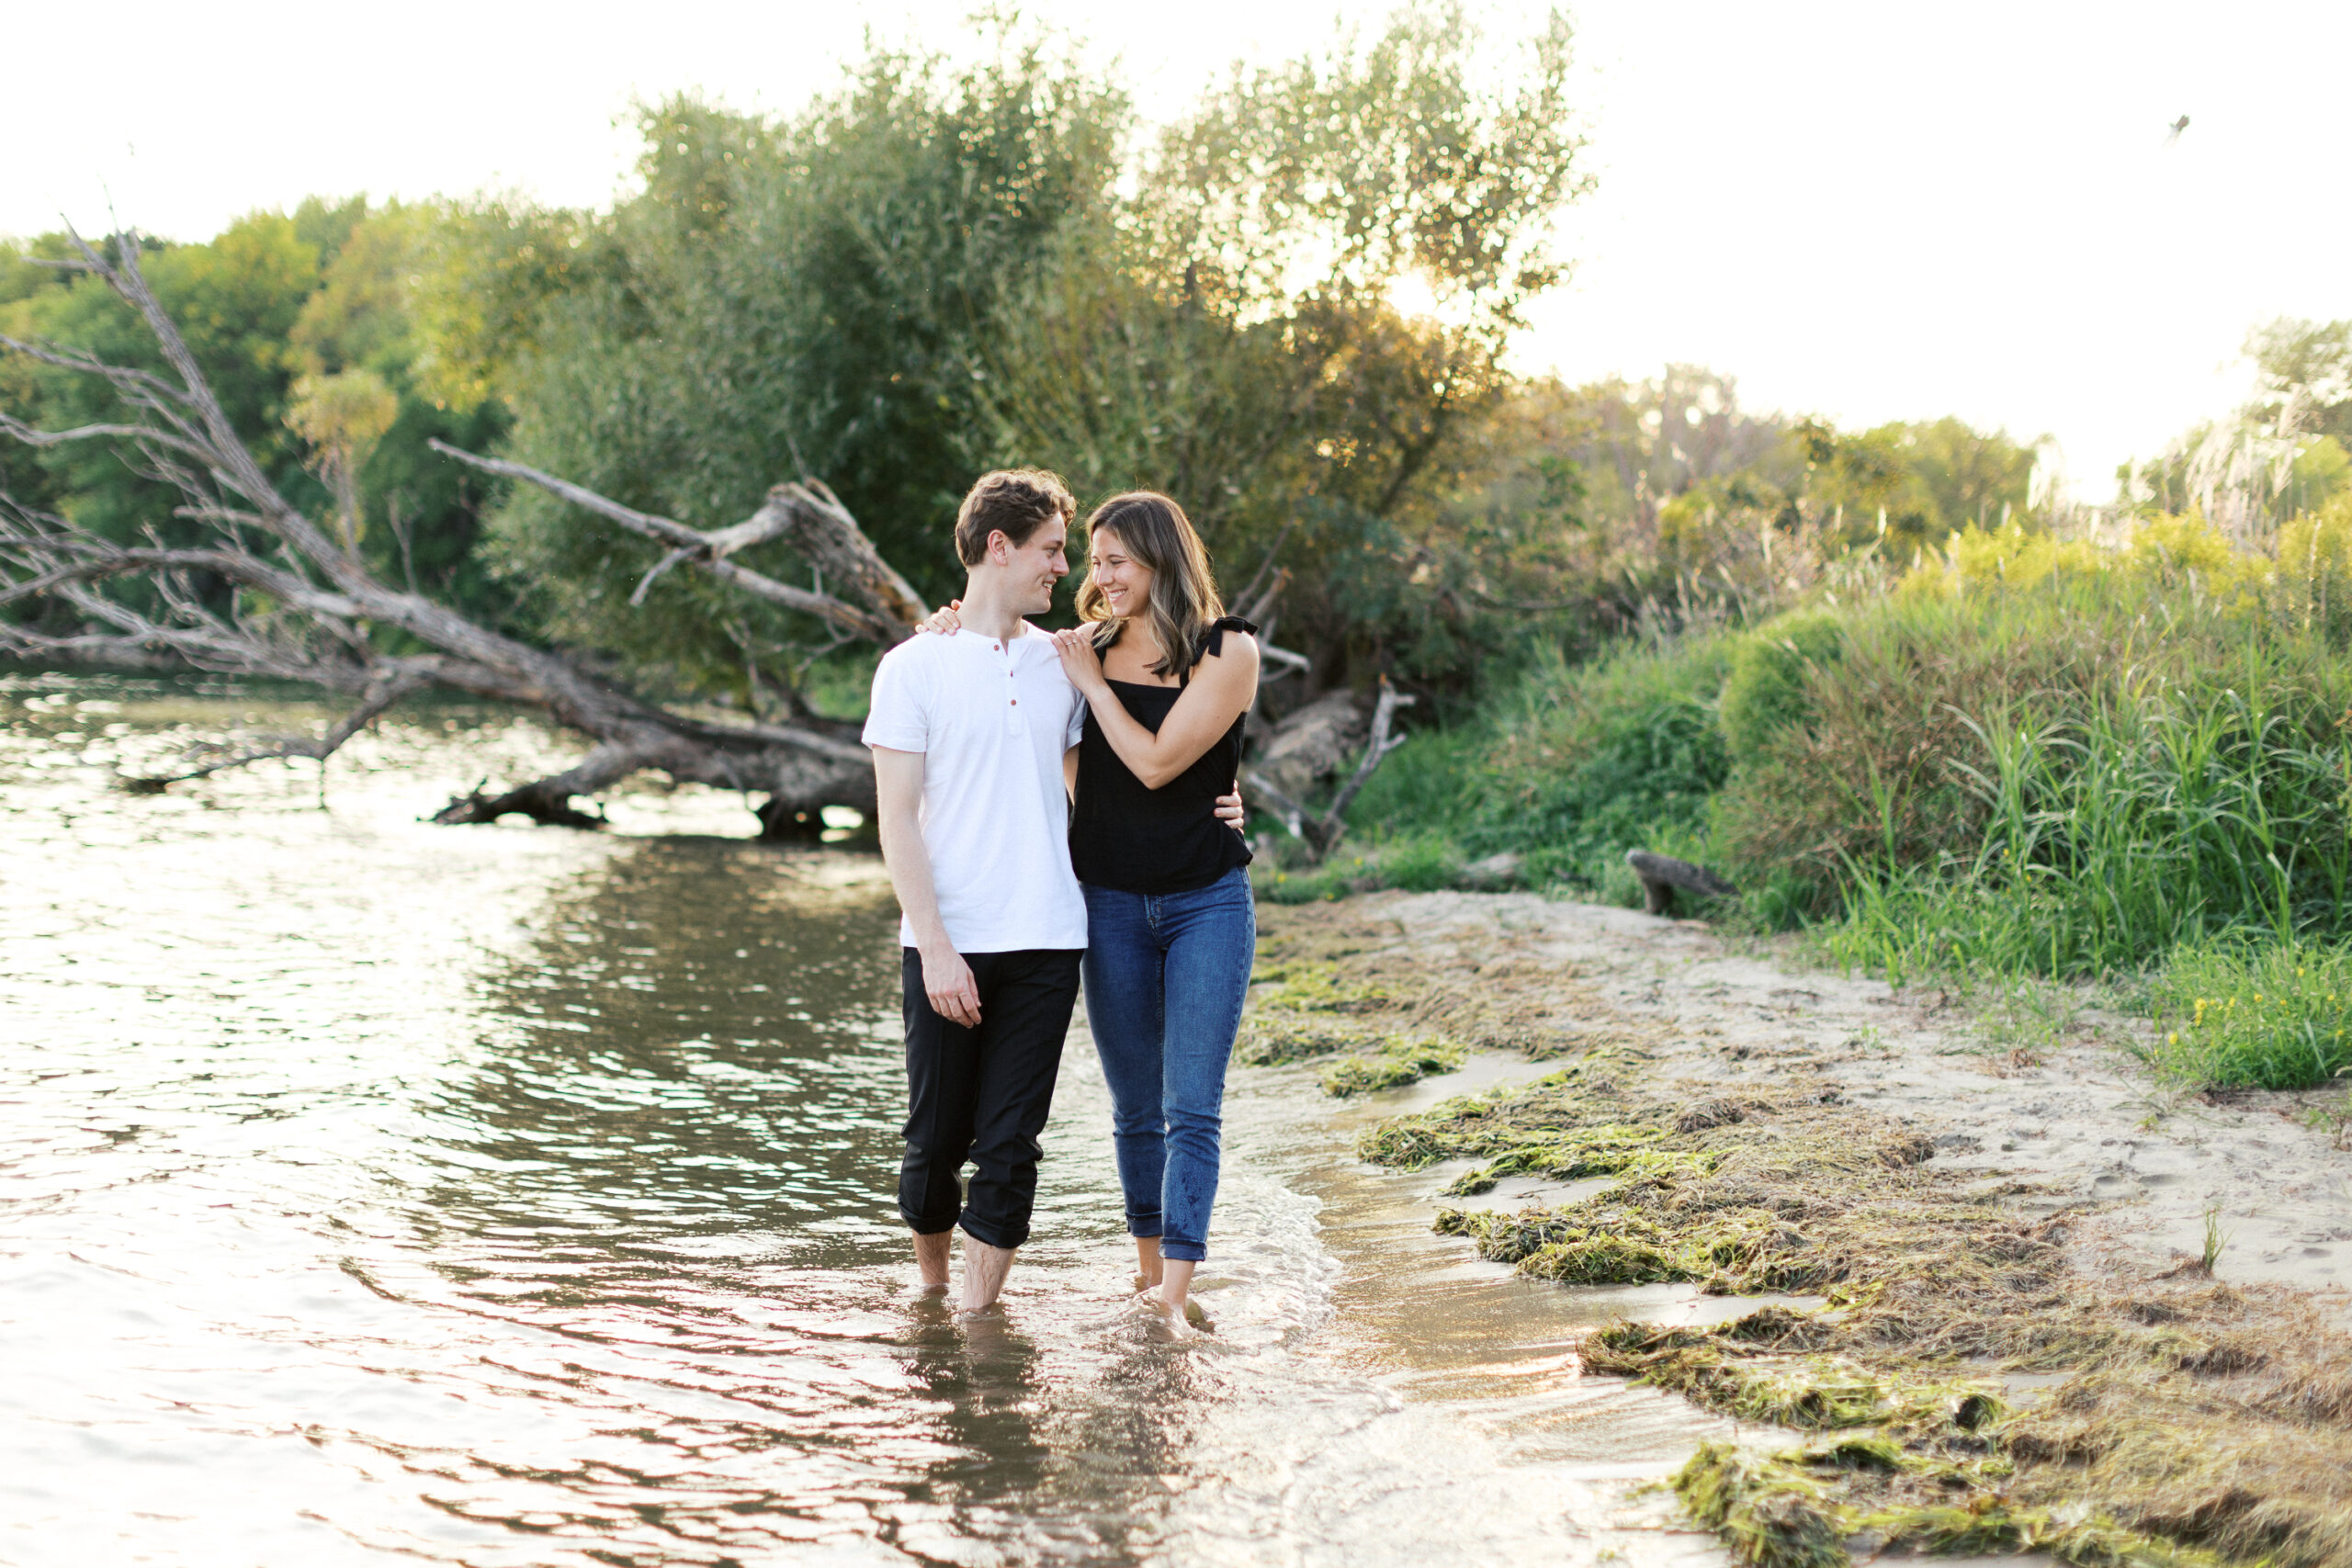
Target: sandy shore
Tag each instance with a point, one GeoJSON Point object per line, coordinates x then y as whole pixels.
{"type": "Point", "coordinates": [2076, 1127]}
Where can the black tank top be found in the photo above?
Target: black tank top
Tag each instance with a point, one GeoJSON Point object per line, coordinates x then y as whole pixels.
{"type": "Point", "coordinates": [1167, 839]}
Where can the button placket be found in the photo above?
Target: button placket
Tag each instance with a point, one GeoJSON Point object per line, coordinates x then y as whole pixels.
{"type": "Point", "coordinates": [1012, 725]}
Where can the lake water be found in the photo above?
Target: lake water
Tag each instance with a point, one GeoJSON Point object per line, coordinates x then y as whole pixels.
{"type": "Point", "coordinates": [373, 1192]}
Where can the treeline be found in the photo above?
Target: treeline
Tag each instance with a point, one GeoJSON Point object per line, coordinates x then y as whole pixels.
{"type": "Point", "coordinates": [936, 269]}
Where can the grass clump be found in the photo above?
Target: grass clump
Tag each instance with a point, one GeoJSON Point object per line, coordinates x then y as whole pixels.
{"type": "Point", "coordinates": [2269, 1017]}
{"type": "Point", "coordinates": [1569, 768]}
{"type": "Point", "coordinates": [1552, 1244]}
{"type": "Point", "coordinates": [1329, 984]}
{"type": "Point", "coordinates": [1393, 1065]}
{"type": "Point", "coordinates": [1419, 863]}
{"type": "Point", "coordinates": [1769, 1512]}
{"type": "Point", "coordinates": [1274, 1040]}
{"type": "Point", "coordinates": [1768, 687]}
{"type": "Point", "coordinates": [1793, 1509]}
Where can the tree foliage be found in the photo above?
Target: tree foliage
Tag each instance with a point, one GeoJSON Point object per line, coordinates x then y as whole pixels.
{"type": "Point", "coordinates": [1290, 308]}
{"type": "Point", "coordinates": [304, 326]}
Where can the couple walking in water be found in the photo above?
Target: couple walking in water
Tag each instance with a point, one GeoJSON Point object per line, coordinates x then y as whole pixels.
{"type": "Point", "coordinates": [1056, 805]}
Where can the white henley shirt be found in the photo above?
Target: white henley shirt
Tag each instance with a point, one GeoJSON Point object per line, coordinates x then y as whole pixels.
{"type": "Point", "coordinates": [992, 717]}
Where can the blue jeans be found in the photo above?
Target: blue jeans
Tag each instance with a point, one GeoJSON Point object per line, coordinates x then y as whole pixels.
{"type": "Point", "coordinates": [1165, 975]}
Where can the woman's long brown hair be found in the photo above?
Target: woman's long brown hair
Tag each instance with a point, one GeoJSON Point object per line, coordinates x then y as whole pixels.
{"type": "Point", "coordinates": [1183, 600]}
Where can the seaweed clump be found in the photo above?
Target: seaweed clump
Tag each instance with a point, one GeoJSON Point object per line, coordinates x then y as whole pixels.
{"type": "Point", "coordinates": [2196, 1422]}
{"type": "Point", "coordinates": [1328, 988]}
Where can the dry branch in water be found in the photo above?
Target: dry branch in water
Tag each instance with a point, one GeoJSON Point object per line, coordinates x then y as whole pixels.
{"type": "Point", "coordinates": [1322, 833]}
{"type": "Point", "coordinates": [300, 606]}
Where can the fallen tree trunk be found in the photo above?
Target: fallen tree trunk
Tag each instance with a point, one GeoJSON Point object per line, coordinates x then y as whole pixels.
{"type": "Point", "coordinates": [299, 605]}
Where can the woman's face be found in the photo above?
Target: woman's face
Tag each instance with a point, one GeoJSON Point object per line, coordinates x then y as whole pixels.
{"type": "Point", "coordinates": [1124, 581]}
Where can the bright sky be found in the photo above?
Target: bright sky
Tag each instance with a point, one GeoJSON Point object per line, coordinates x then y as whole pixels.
{"type": "Point", "coordinates": [1868, 212]}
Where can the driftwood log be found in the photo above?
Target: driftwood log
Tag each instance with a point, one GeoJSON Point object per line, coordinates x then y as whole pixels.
{"type": "Point", "coordinates": [1661, 875]}
{"type": "Point", "coordinates": [1315, 741]}
{"type": "Point", "coordinates": [298, 605]}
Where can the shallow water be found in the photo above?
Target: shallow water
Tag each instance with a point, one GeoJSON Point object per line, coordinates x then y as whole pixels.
{"type": "Point", "coordinates": [518, 1196]}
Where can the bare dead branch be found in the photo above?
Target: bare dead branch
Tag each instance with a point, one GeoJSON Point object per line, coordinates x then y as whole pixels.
{"type": "Point", "coordinates": [101, 561]}
{"type": "Point", "coordinates": [645, 584]}
{"type": "Point", "coordinates": [1321, 834]}
{"type": "Point", "coordinates": [820, 527]}
{"type": "Point", "coordinates": [708, 551]}
{"type": "Point", "coordinates": [1381, 743]}
{"type": "Point", "coordinates": [66, 358]}
{"type": "Point", "coordinates": [1284, 656]}
{"type": "Point", "coordinates": [1292, 815]}
{"type": "Point", "coordinates": [300, 606]}
{"type": "Point", "coordinates": [30, 437]}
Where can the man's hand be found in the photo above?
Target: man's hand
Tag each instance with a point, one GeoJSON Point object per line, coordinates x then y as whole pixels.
{"type": "Point", "coordinates": [948, 982]}
{"type": "Point", "coordinates": [1229, 809]}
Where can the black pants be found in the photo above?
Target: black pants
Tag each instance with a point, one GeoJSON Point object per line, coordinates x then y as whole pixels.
{"type": "Point", "coordinates": [983, 1094]}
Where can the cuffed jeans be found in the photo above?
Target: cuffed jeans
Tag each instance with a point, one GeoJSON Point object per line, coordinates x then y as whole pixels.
{"type": "Point", "coordinates": [1165, 977]}
{"type": "Point", "coordinates": [982, 1094]}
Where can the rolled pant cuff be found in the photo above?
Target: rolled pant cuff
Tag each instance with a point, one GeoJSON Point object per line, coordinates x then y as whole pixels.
{"type": "Point", "coordinates": [1184, 1251]}
{"type": "Point", "coordinates": [927, 1225]}
{"type": "Point", "coordinates": [1143, 1230]}
{"type": "Point", "coordinates": [990, 1235]}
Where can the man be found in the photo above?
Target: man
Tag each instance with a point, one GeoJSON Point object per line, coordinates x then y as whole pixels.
{"type": "Point", "coordinates": [969, 731]}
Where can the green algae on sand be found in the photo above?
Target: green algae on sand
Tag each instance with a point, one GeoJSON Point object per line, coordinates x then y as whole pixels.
{"type": "Point", "coordinates": [2194, 1424]}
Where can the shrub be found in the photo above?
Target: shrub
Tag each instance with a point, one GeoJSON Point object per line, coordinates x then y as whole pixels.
{"type": "Point", "coordinates": [1766, 688]}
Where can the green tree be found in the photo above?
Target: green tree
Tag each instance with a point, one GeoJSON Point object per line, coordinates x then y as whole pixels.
{"type": "Point", "coordinates": [2305, 366]}
{"type": "Point", "coordinates": [365, 403]}
{"type": "Point", "coordinates": [799, 297]}
{"type": "Point", "coordinates": [1237, 334]}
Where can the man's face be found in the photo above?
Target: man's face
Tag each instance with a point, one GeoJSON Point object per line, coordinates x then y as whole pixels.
{"type": "Point", "coordinates": [1032, 569]}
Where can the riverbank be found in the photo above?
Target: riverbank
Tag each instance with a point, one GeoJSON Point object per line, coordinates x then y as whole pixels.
{"type": "Point", "coordinates": [2001, 1254]}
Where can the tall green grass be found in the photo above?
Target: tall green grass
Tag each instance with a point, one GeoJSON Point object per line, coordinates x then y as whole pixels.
{"type": "Point", "coordinates": [1577, 765]}
{"type": "Point", "coordinates": [2106, 840]}
{"type": "Point", "coordinates": [2089, 776]}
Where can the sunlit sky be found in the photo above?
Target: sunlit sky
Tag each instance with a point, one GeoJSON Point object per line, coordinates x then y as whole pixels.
{"type": "Point", "coordinates": [1867, 211]}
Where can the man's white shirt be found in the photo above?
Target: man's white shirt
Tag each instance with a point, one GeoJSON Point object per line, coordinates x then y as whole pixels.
{"type": "Point", "coordinates": [992, 717]}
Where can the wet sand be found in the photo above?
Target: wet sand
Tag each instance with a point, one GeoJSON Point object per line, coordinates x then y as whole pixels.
{"type": "Point", "coordinates": [2081, 1128]}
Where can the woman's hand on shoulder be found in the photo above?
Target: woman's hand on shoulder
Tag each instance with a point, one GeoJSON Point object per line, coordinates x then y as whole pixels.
{"type": "Point", "coordinates": [944, 620]}
{"type": "Point", "coordinates": [1079, 661]}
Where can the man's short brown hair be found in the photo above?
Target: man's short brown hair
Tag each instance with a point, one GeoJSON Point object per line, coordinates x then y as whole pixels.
{"type": "Point", "coordinates": [1014, 502]}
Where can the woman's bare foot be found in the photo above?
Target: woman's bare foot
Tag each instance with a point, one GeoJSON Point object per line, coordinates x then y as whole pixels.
{"type": "Point", "coordinates": [1146, 1263]}
{"type": "Point", "coordinates": [1165, 1319]}
{"type": "Point", "coordinates": [1176, 1292]}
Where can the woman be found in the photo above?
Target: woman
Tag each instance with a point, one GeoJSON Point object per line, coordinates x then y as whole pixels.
{"type": "Point", "coordinates": [1168, 680]}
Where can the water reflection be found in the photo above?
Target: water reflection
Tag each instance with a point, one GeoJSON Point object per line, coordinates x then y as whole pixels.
{"type": "Point", "coordinates": [505, 1196]}
{"type": "Point", "coordinates": [697, 1043]}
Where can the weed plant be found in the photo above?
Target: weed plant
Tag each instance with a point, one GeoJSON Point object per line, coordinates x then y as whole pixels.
{"type": "Point", "coordinates": [2269, 1017]}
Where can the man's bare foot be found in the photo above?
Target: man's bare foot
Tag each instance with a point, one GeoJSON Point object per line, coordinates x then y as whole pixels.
{"type": "Point", "coordinates": [985, 1267]}
{"type": "Point", "coordinates": [931, 1259]}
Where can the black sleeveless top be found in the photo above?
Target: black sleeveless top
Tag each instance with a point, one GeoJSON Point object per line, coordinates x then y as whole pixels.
{"type": "Point", "coordinates": [1167, 839]}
